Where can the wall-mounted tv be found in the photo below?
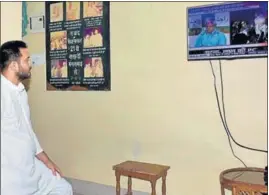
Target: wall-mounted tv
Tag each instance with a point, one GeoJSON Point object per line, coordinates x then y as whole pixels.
{"type": "Point", "coordinates": [228, 31]}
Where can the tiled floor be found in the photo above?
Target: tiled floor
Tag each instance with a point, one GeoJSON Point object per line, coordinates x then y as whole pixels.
{"type": "Point", "coordinates": [90, 188]}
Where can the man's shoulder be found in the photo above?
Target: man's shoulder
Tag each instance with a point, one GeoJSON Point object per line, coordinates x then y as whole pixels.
{"type": "Point", "coordinates": [6, 94]}
{"type": "Point", "coordinates": [5, 91]}
{"type": "Point", "coordinates": [202, 33]}
{"type": "Point", "coordinates": [6, 97]}
{"type": "Point", "coordinates": [219, 33]}
{"type": "Point", "coordinates": [4, 86]}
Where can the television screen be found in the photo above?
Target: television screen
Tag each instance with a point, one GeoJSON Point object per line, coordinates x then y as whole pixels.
{"type": "Point", "coordinates": [228, 30]}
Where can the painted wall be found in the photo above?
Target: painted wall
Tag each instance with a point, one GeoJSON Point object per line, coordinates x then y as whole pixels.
{"type": "Point", "coordinates": [161, 109]}
{"type": "Point", "coordinates": [10, 23]}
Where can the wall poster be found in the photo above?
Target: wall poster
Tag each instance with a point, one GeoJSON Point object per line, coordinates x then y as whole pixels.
{"type": "Point", "coordinates": [77, 45]}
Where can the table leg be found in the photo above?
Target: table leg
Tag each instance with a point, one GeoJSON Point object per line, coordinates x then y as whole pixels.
{"type": "Point", "coordinates": [153, 187]}
{"type": "Point", "coordinates": [164, 185]}
{"type": "Point", "coordinates": [117, 183]}
{"type": "Point", "coordinates": [129, 186]}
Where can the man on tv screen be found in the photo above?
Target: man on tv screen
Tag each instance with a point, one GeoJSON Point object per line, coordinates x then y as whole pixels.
{"type": "Point", "coordinates": [210, 37]}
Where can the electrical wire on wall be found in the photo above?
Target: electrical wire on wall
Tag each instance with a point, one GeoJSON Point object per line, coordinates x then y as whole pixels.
{"type": "Point", "coordinates": [223, 115]}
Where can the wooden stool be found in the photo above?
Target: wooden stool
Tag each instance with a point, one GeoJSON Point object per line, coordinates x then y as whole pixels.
{"type": "Point", "coordinates": [144, 171]}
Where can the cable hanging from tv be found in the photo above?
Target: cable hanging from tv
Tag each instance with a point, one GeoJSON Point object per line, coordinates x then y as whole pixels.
{"type": "Point", "coordinates": [223, 116]}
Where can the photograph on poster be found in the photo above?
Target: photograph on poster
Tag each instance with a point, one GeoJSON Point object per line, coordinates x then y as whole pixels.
{"type": "Point", "coordinates": [56, 12]}
{"type": "Point", "coordinates": [92, 9]}
{"type": "Point", "coordinates": [58, 40]}
{"type": "Point", "coordinates": [93, 37]}
{"type": "Point", "coordinates": [93, 67]}
{"type": "Point", "coordinates": [72, 10]}
{"type": "Point", "coordinates": [59, 68]}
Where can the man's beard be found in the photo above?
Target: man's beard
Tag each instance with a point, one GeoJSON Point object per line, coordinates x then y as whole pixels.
{"type": "Point", "coordinates": [22, 75]}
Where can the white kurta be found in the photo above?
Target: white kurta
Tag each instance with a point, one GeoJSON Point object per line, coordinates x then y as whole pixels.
{"type": "Point", "coordinates": [21, 172]}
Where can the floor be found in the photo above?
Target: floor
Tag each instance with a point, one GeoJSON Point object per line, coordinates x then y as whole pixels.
{"type": "Point", "coordinates": [91, 188]}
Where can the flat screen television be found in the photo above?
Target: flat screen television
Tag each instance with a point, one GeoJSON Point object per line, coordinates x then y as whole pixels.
{"type": "Point", "coordinates": [228, 31]}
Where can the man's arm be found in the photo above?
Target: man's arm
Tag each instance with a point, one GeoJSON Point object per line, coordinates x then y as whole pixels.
{"type": "Point", "coordinates": [40, 153]}
{"type": "Point", "coordinates": [48, 162]}
{"type": "Point", "coordinates": [37, 144]}
{"type": "Point", "coordinates": [31, 131]}
{"type": "Point", "coordinates": [42, 156]}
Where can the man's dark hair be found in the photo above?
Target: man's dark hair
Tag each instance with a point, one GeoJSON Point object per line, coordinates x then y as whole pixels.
{"type": "Point", "coordinates": [10, 51]}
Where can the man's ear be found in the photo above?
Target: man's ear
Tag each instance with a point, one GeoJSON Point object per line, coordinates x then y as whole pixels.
{"type": "Point", "coordinates": [14, 66]}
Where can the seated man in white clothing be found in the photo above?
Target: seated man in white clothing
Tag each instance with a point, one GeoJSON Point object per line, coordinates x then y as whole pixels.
{"type": "Point", "coordinates": [25, 167]}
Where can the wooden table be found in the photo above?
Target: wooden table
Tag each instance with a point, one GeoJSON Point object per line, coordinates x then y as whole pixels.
{"type": "Point", "coordinates": [243, 181]}
{"type": "Point", "coordinates": [139, 170]}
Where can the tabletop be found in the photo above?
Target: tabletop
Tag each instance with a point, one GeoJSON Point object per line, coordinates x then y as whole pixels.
{"type": "Point", "coordinates": [141, 167]}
